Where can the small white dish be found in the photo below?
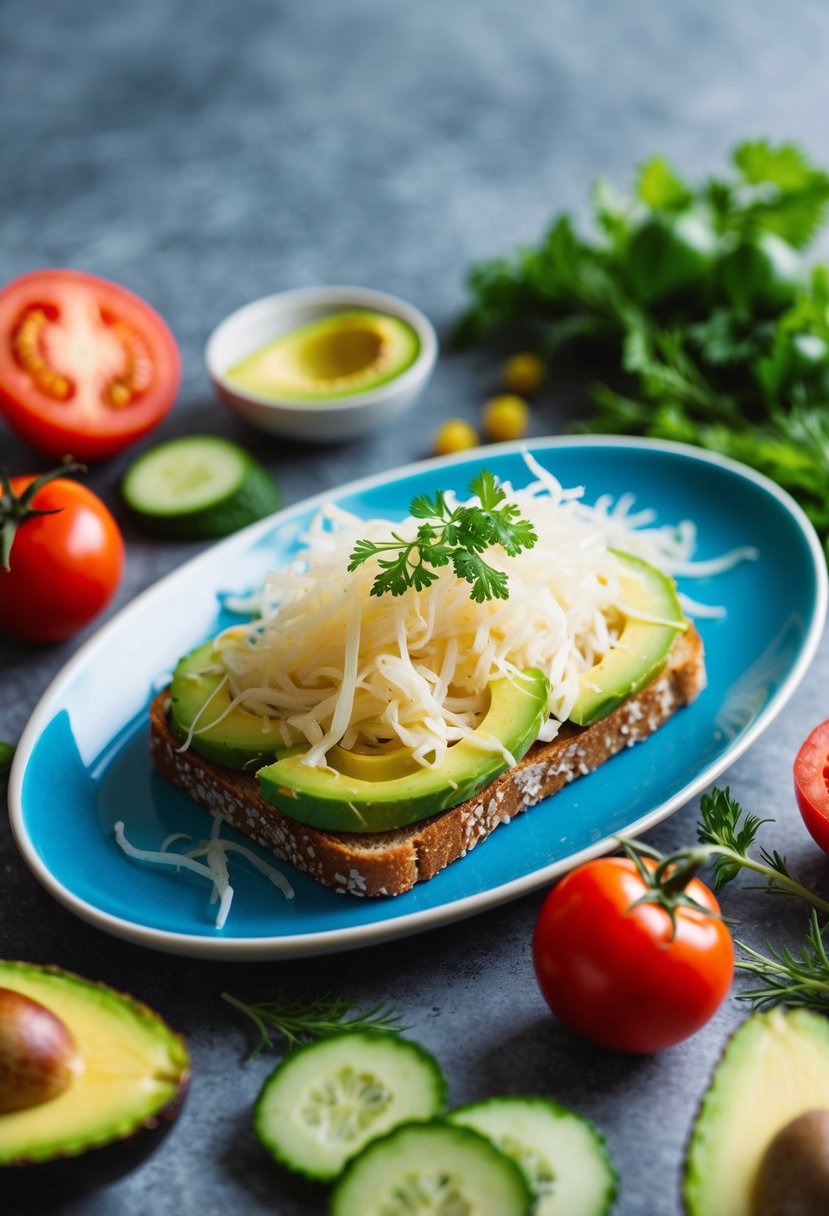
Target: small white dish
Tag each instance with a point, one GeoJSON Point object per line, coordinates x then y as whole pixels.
{"type": "Point", "coordinates": [251, 327]}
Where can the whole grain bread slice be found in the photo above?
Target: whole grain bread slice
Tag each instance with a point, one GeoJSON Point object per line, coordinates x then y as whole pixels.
{"type": "Point", "coordinates": [389, 863]}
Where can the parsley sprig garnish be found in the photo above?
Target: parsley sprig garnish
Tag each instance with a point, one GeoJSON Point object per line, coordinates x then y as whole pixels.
{"type": "Point", "coordinates": [298, 1022]}
{"type": "Point", "coordinates": [456, 536]}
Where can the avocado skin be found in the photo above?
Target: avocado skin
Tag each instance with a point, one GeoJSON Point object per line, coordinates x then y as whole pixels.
{"type": "Point", "coordinates": [30, 1183]}
{"type": "Point", "coordinates": [33, 1183]}
{"type": "Point", "coordinates": [333, 801]}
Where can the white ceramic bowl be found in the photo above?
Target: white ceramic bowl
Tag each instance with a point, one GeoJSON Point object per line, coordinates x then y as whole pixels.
{"type": "Point", "coordinates": [253, 326]}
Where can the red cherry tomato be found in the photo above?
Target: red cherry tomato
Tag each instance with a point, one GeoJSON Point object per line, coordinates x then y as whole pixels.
{"type": "Point", "coordinates": [617, 974]}
{"type": "Point", "coordinates": [63, 568]}
{"type": "Point", "coordinates": [811, 784]}
{"type": "Point", "coordinates": [86, 367]}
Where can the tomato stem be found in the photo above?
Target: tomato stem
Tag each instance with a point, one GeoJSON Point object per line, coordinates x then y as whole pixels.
{"type": "Point", "coordinates": [15, 509]}
{"type": "Point", "coordinates": [666, 881]}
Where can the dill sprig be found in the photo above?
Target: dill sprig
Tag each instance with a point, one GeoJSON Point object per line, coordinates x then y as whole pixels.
{"type": "Point", "coordinates": [789, 978]}
{"type": "Point", "coordinates": [727, 833]}
{"type": "Point", "coordinates": [296, 1023]}
{"type": "Point", "coordinates": [458, 536]}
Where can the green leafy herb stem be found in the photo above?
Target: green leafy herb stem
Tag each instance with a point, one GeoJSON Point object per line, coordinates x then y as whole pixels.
{"type": "Point", "coordinates": [726, 834]}
{"type": "Point", "coordinates": [295, 1023]}
{"type": "Point", "coordinates": [447, 536]}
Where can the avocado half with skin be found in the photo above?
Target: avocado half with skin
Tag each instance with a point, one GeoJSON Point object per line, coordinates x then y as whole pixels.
{"type": "Point", "coordinates": [91, 1081]}
{"type": "Point", "coordinates": [774, 1069]}
{"type": "Point", "coordinates": [336, 356]}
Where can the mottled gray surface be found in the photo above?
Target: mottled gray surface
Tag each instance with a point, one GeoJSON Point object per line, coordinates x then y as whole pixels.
{"type": "Point", "coordinates": [205, 154]}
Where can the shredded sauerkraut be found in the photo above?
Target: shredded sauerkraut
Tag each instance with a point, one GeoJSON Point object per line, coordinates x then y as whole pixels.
{"type": "Point", "coordinates": [338, 666]}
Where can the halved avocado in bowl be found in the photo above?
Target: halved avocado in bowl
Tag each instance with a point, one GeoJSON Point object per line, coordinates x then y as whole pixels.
{"type": "Point", "coordinates": [91, 1081]}
{"type": "Point", "coordinates": [322, 364]}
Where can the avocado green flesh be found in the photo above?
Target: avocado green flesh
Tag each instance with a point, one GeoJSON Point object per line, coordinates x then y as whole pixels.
{"type": "Point", "coordinates": [131, 1067]}
{"type": "Point", "coordinates": [775, 1068]}
{"type": "Point", "coordinates": [333, 800]}
{"type": "Point", "coordinates": [336, 356]}
{"type": "Point", "coordinates": [231, 737]}
{"type": "Point", "coordinates": [642, 647]}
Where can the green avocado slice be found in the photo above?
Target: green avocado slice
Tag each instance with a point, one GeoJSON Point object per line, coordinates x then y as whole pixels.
{"type": "Point", "coordinates": [234, 737]}
{"type": "Point", "coordinates": [652, 619]}
{"type": "Point", "coordinates": [336, 356]}
{"type": "Point", "coordinates": [342, 802]}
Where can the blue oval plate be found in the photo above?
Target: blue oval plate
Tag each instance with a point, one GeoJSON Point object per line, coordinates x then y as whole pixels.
{"type": "Point", "coordinates": [83, 761]}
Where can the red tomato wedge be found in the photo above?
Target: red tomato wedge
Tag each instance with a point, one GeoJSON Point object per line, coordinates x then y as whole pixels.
{"type": "Point", "coordinates": [86, 367]}
{"type": "Point", "coordinates": [811, 783]}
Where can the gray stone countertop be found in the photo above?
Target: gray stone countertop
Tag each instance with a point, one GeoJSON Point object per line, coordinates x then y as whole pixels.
{"type": "Point", "coordinates": [207, 154]}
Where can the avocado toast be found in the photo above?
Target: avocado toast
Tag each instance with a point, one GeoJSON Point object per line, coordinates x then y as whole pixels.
{"type": "Point", "coordinates": [372, 738]}
{"type": "Point", "coordinates": [390, 862]}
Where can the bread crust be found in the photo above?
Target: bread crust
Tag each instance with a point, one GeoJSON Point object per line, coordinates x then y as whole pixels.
{"type": "Point", "coordinates": [389, 863]}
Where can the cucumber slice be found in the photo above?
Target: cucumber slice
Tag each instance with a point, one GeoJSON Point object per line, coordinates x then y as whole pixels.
{"type": "Point", "coordinates": [327, 1100]}
{"type": "Point", "coordinates": [197, 487]}
{"type": "Point", "coordinates": [564, 1157]}
{"type": "Point", "coordinates": [431, 1169]}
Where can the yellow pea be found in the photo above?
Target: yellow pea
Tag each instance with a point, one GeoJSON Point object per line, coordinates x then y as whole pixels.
{"type": "Point", "coordinates": [505, 417]}
{"type": "Point", "coordinates": [524, 373]}
{"type": "Point", "coordinates": [456, 435]}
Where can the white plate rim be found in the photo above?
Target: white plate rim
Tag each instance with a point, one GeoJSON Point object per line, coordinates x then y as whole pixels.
{"type": "Point", "coordinates": [333, 941]}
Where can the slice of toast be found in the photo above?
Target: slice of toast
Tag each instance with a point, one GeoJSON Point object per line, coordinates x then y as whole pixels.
{"type": "Point", "coordinates": [389, 863]}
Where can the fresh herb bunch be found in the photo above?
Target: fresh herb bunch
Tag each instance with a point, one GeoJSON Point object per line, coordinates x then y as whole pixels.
{"type": "Point", "coordinates": [701, 294]}
{"type": "Point", "coordinates": [295, 1023]}
{"type": "Point", "coordinates": [458, 536]}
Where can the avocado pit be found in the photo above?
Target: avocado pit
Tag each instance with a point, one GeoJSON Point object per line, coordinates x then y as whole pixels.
{"type": "Point", "coordinates": [38, 1054]}
{"type": "Point", "coordinates": [335, 356]}
{"type": "Point", "coordinates": [793, 1177]}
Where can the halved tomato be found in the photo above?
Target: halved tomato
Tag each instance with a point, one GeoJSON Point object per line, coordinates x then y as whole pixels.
{"type": "Point", "coordinates": [86, 367]}
{"type": "Point", "coordinates": [811, 783]}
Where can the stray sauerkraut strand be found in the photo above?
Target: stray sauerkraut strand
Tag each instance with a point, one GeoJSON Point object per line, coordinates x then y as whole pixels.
{"type": "Point", "coordinates": [214, 868]}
